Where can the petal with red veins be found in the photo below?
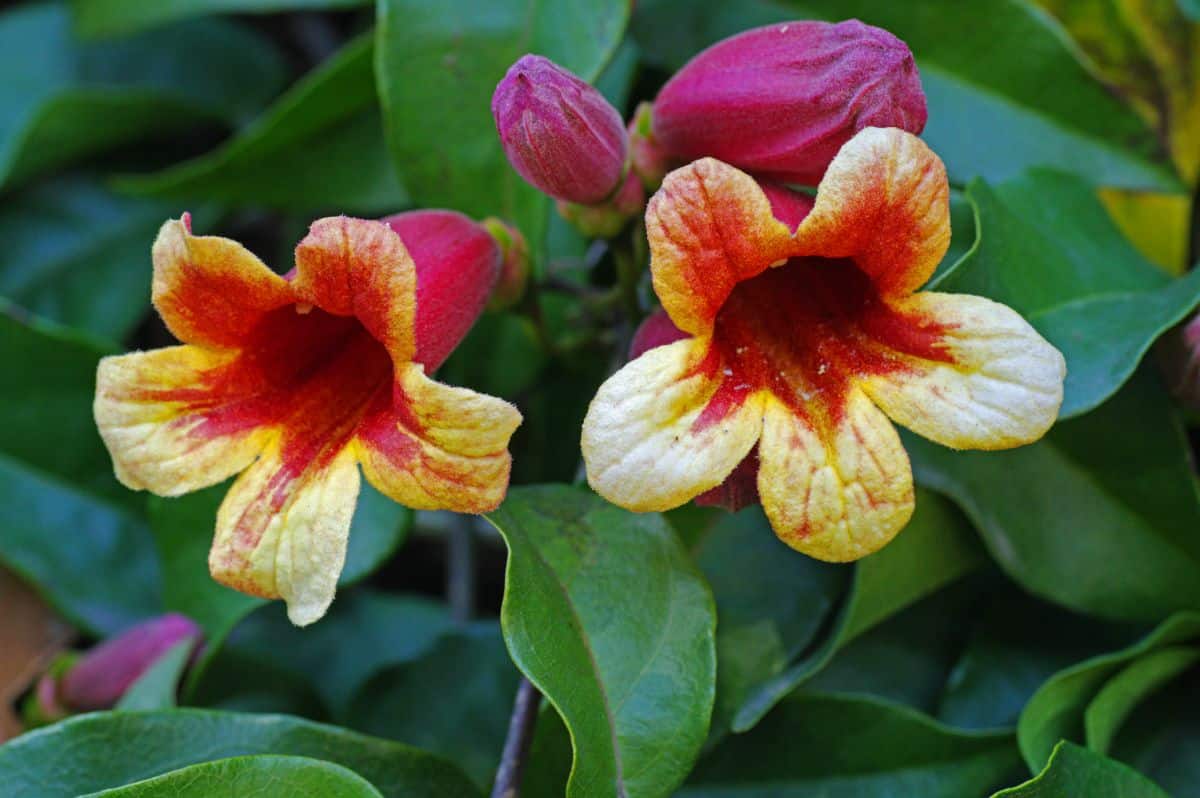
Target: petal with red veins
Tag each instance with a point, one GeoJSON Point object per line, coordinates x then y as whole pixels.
{"type": "Point", "coordinates": [669, 426]}
{"type": "Point", "coordinates": [837, 494]}
{"type": "Point", "coordinates": [209, 290]}
{"type": "Point", "coordinates": [885, 202]}
{"type": "Point", "coordinates": [163, 416]}
{"type": "Point", "coordinates": [710, 226]}
{"type": "Point", "coordinates": [356, 267]}
{"type": "Point", "coordinates": [431, 446]}
{"type": "Point", "coordinates": [283, 527]}
{"type": "Point", "coordinates": [1001, 386]}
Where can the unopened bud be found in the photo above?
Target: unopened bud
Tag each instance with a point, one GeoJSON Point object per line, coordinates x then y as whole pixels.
{"type": "Point", "coordinates": [558, 132]}
{"type": "Point", "coordinates": [514, 264]}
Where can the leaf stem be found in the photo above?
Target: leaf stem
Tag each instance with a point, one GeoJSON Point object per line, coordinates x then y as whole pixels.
{"type": "Point", "coordinates": [520, 737]}
{"type": "Point", "coordinates": [460, 568]}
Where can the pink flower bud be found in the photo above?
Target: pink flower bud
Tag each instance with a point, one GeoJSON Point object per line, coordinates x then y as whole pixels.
{"type": "Point", "coordinates": [101, 676]}
{"type": "Point", "coordinates": [605, 219]}
{"type": "Point", "coordinates": [780, 101]}
{"type": "Point", "coordinates": [458, 262]}
{"type": "Point", "coordinates": [1179, 354]}
{"type": "Point", "coordinates": [559, 133]}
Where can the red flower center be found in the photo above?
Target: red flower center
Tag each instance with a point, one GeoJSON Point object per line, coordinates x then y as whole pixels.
{"type": "Point", "coordinates": [807, 329]}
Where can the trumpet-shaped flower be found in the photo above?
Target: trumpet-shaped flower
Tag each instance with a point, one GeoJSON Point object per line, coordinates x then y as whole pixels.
{"type": "Point", "coordinates": [295, 382]}
{"type": "Point", "coordinates": [805, 333]}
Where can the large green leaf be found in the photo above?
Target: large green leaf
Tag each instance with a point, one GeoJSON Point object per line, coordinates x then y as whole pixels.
{"type": "Point", "coordinates": [1161, 737]}
{"type": "Point", "coordinates": [437, 66]}
{"type": "Point", "coordinates": [449, 700]}
{"type": "Point", "coordinates": [69, 528]}
{"type": "Point", "coordinates": [605, 613]}
{"type": "Point", "coordinates": [1059, 708]}
{"type": "Point", "coordinates": [1113, 486]}
{"type": "Point", "coordinates": [111, 749]}
{"type": "Point", "coordinates": [78, 254]}
{"type": "Point", "coordinates": [111, 17]}
{"type": "Point", "coordinates": [990, 113]}
{"type": "Point", "coordinates": [1049, 249]}
{"type": "Point", "coordinates": [852, 747]}
{"type": "Point", "coordinates": [1118, 698]}
{"type": "Point", "coordinates": [296, 776]}
{"type": "Point", "coordinates": [61, 101]}
{"type": "Point", "coordinates": [1073, 772]}
{"type": "Point", "coordinates": [319, 147]}
{"type": "Point", "coordinates": [936, 548]}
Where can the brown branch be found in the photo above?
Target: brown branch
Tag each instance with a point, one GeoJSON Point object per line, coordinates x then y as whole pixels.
{"type": "Point", "coordinates": [520, 737]}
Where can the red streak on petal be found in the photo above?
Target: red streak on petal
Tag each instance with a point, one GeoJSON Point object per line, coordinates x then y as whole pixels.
{"type": "Point", "coordinates": [808, 329]}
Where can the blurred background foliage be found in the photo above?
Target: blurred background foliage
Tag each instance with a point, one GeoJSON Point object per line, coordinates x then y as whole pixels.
{"type": "Point", "coordinates": [1039, 619]}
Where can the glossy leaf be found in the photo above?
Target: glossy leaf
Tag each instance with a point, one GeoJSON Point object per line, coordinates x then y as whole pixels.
{"type": "Point", "coordinates": [450, 700]}
{"type": "Point", "coordinates": [990, 114]}
{"type": "Point", "coordinates": [1161, 737]}
{"type": "Point", "coordinates": [1112, 705]}
{"type": "Point", "coordinates": [605, 613]}
{"type": "Point", "coordinates": [437, 66]}
{"type": "Point", "coordinates": [298, 776]}
{"type": "Point", "coordinates": [1076, 771]}
{"type": "Point", "coordinates": [934, 549]}
{"type": "Point", "coordinates": [69, 528]}
{"type": "Point", "coordinates": [1058, 709]}
{"type": "Point", "coordinates": [112, 17]}
{"type": "Point", "coordinates": [112, 749]}
{"type": "Point", "coordinates": [816, 744]}
{"type": "Point", "coordinates": [78, 254]}
{"type": "Point", "coordinates": [1097, 490]}
{"type": "Point", "coordinates": [1050, 250]}
{"type": "Point", "coordinates": [319, 147]}
{"type": "Point", "coordinates": [62, 101]}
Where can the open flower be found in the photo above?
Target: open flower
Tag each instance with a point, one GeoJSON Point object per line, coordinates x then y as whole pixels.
{"type": "Point", "coordinates": [801, 341]}
{"type": "Point", "coordinates": [296, 382]}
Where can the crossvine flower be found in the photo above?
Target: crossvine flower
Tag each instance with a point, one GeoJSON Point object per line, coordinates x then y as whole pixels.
{"type": "Point", "coordinates": [296, 382]}
{"type": "Point", "coordinates": [804, 333]}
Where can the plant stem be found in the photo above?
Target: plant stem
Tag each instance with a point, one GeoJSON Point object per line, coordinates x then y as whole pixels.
{"type": "Point", "coordinates": [460, 568]}
{"type": "Point", "coordinates": [516, 745]}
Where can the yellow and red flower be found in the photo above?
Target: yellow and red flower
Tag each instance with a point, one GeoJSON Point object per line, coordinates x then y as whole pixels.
{"type": "Point", "coordinates": [298, 381]}
{"type": "Point", "coordinates": [804, 336]}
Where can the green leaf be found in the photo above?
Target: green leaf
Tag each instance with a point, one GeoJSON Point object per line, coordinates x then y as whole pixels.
{"type": "Point", "coordinates": [1112, 705]}
{"type": "Point", "coordinates": [319, 147]}
{"type": "Point", "coordinates": [990, 113]}
{"type": "Point", "coordinates": [69, 528]}
{"type": "Point", "coordinates": [79, 255]}
{"type": "Point", "coordinates": [1113, 486]}
{"type": "Point", "coordinates": [830, 745]}
{"type": "Point", "coordinates": [605, 613]}
{"type": "Point", "coordinates": [248, 775]}
{"type": "Point", "coordinates": [1015, 643]}
{"type": "Point", "coordinates": [1049, 249]}
{"type": "Point", "coordinates": [449, 700]}
{"type": "Point", "coordinates": [183, 531]}
{"type": "Point", "coordinates": [111, 749]}
{"type": "Point", "coordinates": [1057, 711]}
{"type": "Point", "coordinates": [1074, 771]}
{"type": "Point", "coordinates": [437, 66]}
{"type": "Point", "coordinates": [1161, 737]}
{"type": "Point", "coordinates": [934, 549]}
{"type": "Point", "coordinates": [112, 17]}
{"type": "Point", "coordinates": [158, 687]}
{"type": "Point", "coordinates": [62, 101]}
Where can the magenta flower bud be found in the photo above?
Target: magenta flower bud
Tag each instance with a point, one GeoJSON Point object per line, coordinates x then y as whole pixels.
{"type": "Point", "coordinates": [101, 676]}
{"type": "Point", "coordinates": [1179, 356]}
{"type": "Point", "coordinates": [559, 133]}
{"type": "Point", "coordinates": [780, 101]}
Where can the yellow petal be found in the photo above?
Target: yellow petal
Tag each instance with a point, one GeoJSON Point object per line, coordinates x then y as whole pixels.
{"type": "Point", "coordinates": [667, 427]}
{"type": "Point", "coordinates": [885, 202]}
{"type": "Point", "coordinates": [838, 495]}
{"type": "Point", "coordinates": [436, 447]}
{"type": "Point", "coordinates": [1002, 389]}
{"type": "Point", "coordinates": [710, 226]}
{"type": "Point", "coordinates": [157, 413]}
{"type": "Point", "coordinates": [282, 531]}
{"type": "Point", "coordinates": [209, 290]}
